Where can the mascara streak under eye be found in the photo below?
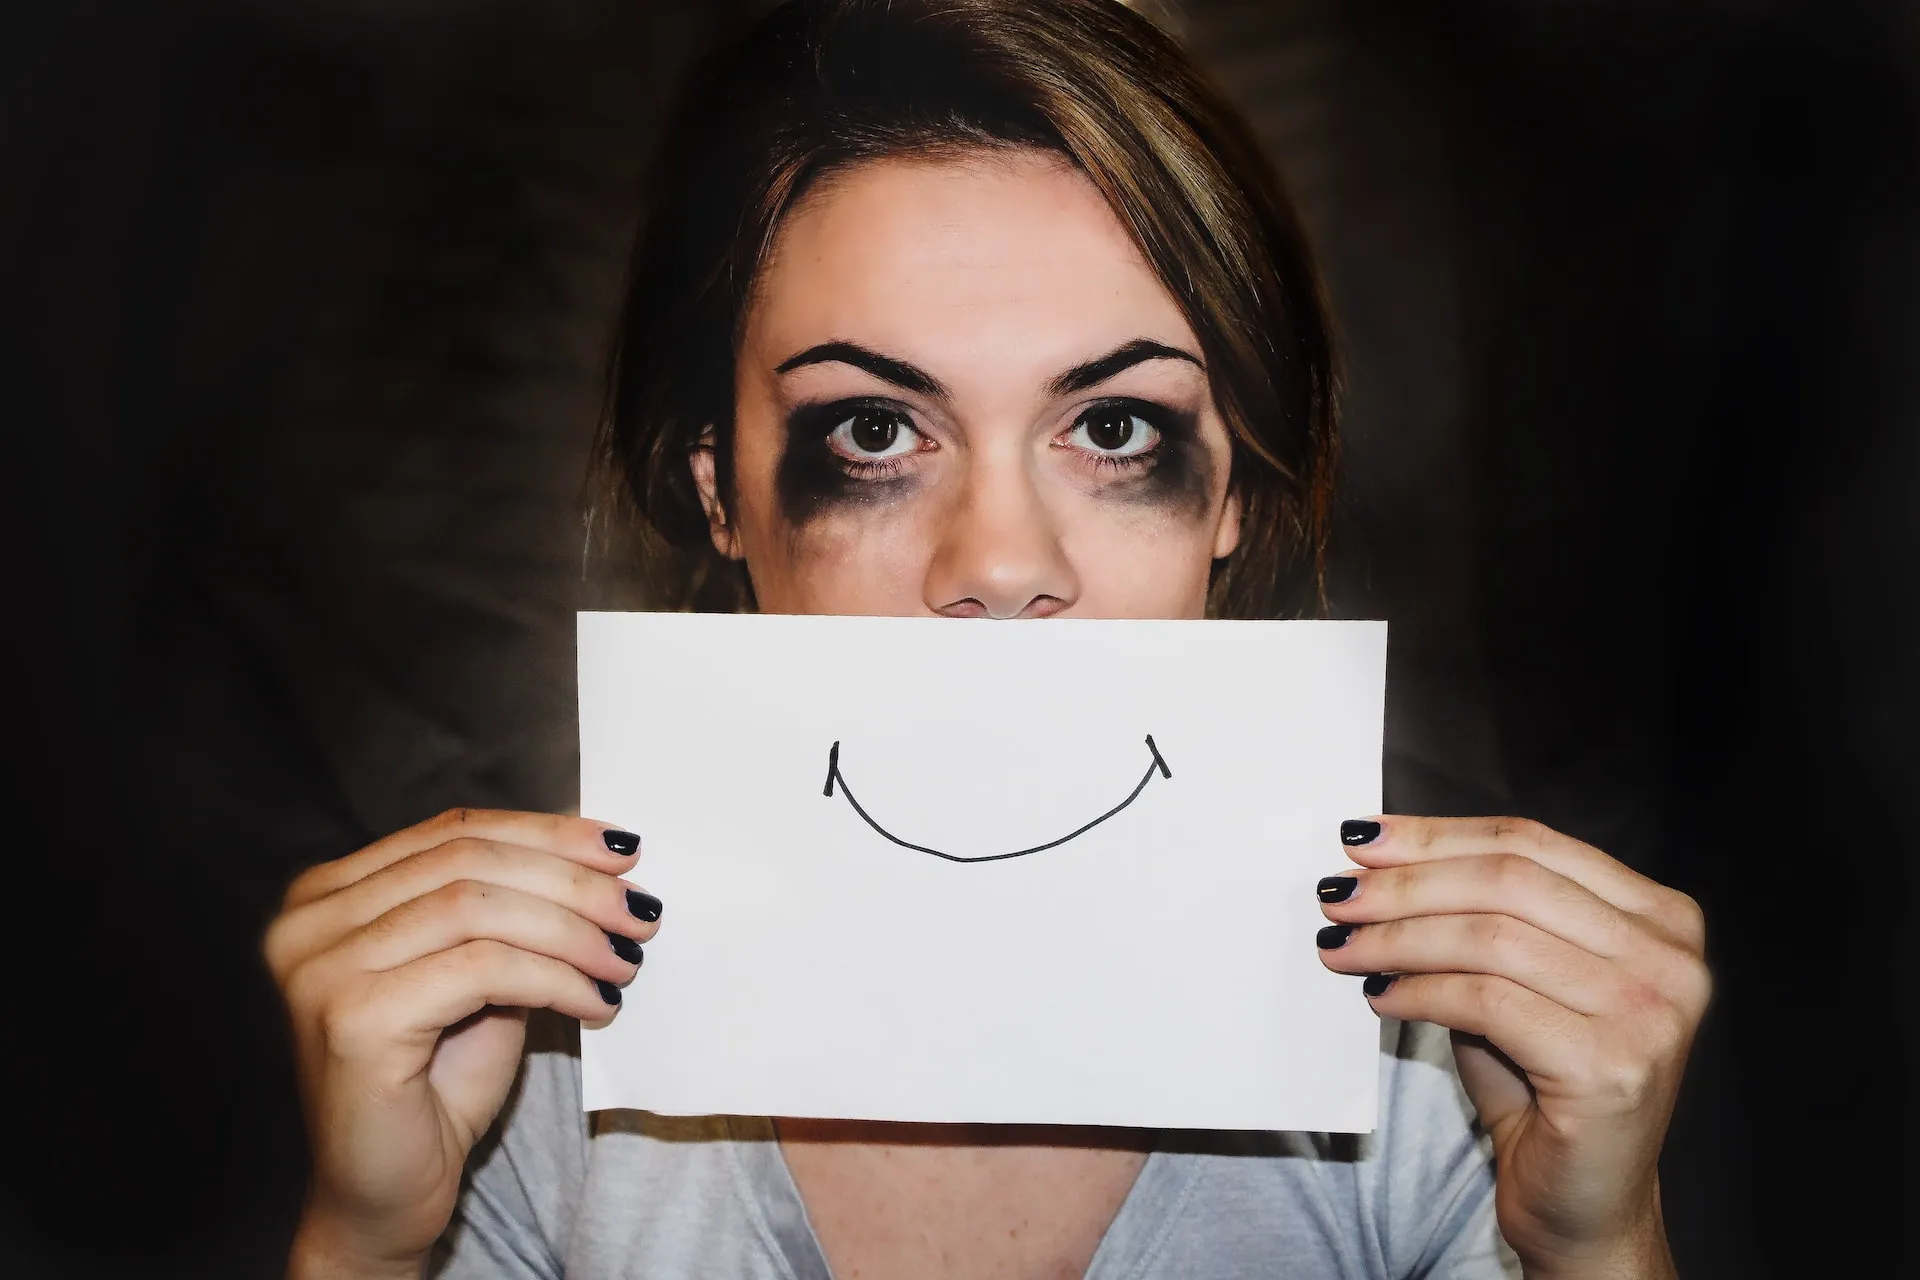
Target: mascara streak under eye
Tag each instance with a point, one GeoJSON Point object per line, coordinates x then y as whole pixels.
{"type": "Point", "coordinates": [811, 480]}
{"type": "Point", "coordinates": [1180, 477]}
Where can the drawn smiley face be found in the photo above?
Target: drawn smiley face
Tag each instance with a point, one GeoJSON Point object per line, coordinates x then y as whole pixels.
{"type": "Point", "coordinates": [1157, 765]}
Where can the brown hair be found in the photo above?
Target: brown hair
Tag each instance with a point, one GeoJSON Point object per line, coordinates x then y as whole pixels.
{"type": "Point", "coordinates": [816, 85]}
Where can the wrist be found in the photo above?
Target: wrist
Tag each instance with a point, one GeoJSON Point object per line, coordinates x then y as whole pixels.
{"type": "Point", "coordinates": [1637, 1252]}
{"type": "Point", "coordinates": [324, 1250]}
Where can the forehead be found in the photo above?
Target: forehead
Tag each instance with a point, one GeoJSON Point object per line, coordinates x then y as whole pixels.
{"type": "Point", "coordinates": [1013, 256]}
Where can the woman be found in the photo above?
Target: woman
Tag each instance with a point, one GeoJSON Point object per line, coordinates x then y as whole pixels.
{"type": "Point", "coordinates": [977, 308]}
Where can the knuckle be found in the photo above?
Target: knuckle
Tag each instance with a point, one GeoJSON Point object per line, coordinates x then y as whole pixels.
{"type": "Point", "coordinates": [1699, 989]}
{"type": "Point", "coordinates": [1510, 873]}
{"type": "Point", "coordinates": [306, 886]}
{"type": "Point", "coordinates": [1490, 995]}
{"type": "Point", "coordinates": [583, 882]}
{"type": "Point", "coordinates": [1672, 1027]}
{"type": "Point", "coordinates": [1493, 935]}
{"type": "Point", "coordinates": [484, 958]}
{"type": "Point", "coordinates": [1687, 986]}
{"type": "Point", "coordinates": [465, 899]}
{"type": "Point", "coordinates": [276, 948]}
{"type": "Point", "coordinates": [1682, 915]}
{"type": "Point", "coordinates": [1641, 999]}
{"type": "Point", "coordinates": [451, 819]}
{"type": "Point", "coordinates": [304, 989]}
{"type": "Point", "coordinates": [344, 1024]}
{"type": "Point", "coordinates": [1625, 1079]}
{"type": "Point", "coordinates": [1621, 934]}
{"type": "Point", "coordinates": [1524, 831]}
{"type": "Point", "coordinates": [459, 853]}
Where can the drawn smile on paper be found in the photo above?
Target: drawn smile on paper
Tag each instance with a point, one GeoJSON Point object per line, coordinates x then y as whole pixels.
{"type": "Point", "coordinates": [834, 775]}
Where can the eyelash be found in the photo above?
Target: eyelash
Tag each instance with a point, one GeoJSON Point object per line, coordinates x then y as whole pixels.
{"type": "Point", "coordinates": [1163, 420]}
{"type": "Point", "coordinates": [818, 421]}
{"type": "Point", "coordinates": [815, 422]}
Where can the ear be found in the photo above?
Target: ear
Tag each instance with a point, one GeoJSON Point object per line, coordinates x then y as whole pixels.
{"type": "Point", "coordinates": [1226, 535]}
{"type": "Point", "coordinates": [725, 539]}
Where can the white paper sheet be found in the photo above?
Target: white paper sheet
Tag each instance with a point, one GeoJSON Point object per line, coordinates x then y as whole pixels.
{"type": "Point", "coordinates": [1157, 969]}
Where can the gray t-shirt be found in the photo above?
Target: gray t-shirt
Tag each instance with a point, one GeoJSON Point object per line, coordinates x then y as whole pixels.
{"type": "Point", "coordinates": [620, 1195]}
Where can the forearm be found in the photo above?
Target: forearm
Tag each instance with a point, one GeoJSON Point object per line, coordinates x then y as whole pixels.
{"type": "Point", "coordinates": [322, 1252]}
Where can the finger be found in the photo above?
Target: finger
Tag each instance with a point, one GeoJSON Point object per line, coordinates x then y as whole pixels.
{"type": "Point", "coordinates": [597, 895]}
{"type": "Point", "coordinates": [1487, 944]}
{"type": "Point", "coordinates": [1401, 840]}
{"type": "Point", "coordinates": [1498, 883]}
{"type": "Point", "coordinates": [1544, 1038]}
{"type": "Point", "coordinates": [590, 843]}
{"type": "Point", "coordinates": [412, 1004]}
{"type": "Point", "coordinates": [471, 910]}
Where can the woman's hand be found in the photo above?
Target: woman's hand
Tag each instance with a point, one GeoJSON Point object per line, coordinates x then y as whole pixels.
{"type": "Point", "coordinates": [408, 969]}
{"type": "Point", "coordinates": [1573, 986]}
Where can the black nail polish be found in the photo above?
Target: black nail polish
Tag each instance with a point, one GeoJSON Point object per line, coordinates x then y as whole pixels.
{"type": "Point", "coordinates": [1336, 888]}
{"type": "Point", "coordinates": [626, 948]}
{"type": "Point", "coordinates": [1334, 935]}
{"type": "Point", "coordinates": [1359, 831]}
{"type": "Point", "coordinates": [621, 842]}
{"type": "Point", "coordinates": [643, 905]}
{"type": "Point", "coordinates": [1377, 983]}
{"type": "Point", "coordinates": [608, 992]}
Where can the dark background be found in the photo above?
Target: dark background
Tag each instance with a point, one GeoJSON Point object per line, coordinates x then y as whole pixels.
{"type": "Point", "coordinates": [305, 302]}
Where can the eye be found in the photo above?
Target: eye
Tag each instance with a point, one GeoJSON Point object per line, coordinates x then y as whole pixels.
{"type": "Point", "coordinates": [1113, 430]}
{"type": "Point", "coordinates": [869, 435]}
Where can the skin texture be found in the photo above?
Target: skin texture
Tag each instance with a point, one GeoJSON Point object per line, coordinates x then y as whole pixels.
{"type": "Point", "coordinates": [1573, 984]}
{"type": "Point", "coordinates": [994, 276]}
{"type": "Point", "coordinates": [407, 969]}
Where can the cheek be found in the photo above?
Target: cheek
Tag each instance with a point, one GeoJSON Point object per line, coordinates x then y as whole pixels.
{"type": "Point", "coordinates": [1145, 549]}
{"type": "Point", "coordinates": [1138, 563]}
{"type": "Point", "coordinates": [865, 558]}
{"type": "Point", "coordinates": [816, 541]}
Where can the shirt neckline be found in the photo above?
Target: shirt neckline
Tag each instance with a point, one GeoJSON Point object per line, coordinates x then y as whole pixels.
{"type": "Point", "coordinates": [1131, 1241]}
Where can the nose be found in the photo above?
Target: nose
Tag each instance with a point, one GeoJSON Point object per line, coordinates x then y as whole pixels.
{"type": "Point", "coordinates": [999, 554]}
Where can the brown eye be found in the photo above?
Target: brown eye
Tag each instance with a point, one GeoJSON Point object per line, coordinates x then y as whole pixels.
{"type": "Point", "coordinates": [869, 434]}
{"type": "Point", "coordinates": [1113, 431]}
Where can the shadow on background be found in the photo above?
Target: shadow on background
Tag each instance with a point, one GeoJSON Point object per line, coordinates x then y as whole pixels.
{"type": "Point", "coordinates": [306, 303]}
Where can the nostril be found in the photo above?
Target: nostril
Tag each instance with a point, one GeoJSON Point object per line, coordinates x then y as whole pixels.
{"type": "Point", "coordinates": [968, 608]}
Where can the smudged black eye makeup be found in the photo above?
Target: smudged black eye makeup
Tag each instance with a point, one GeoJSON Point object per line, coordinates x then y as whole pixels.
{"type": "Point", "coordinates": [845, 451]}
{"type": "Point", "coordinates": [858, 451]}
{"type": "Point", "coordinates": [1152, 451]}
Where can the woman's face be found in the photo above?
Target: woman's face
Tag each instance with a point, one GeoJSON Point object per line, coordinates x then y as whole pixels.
{"type": "Point", "coordinates": [962, 391]}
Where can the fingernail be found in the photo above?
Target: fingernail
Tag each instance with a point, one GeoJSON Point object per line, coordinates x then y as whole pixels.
{"type": "Point", "coordinates": [643, 905]}
{"type": "Point", "coordinates": [1336, 888]}
{"type": "Point", "coordinates": [1334, 935]}
{"type": "Point", "coordinates": [621, 842]}
{"type": "Point", "coordinates": [608, 992]}
{"type": "Point", "coordinates": [626, 948]}
{"type": "Point", "coordinates": [1359, 831]}
{"type": "Point", "coordinates": [1377, 983]}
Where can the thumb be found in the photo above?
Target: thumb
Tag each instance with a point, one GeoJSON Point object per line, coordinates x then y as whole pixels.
{"type": "Point", "coordinates": [474, 1066]}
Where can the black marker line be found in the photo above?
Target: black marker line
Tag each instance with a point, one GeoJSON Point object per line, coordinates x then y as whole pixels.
{"type": "Point", "coordinates": [1164, 771]}
{"type": "Point", "coordinates": [1159, 765]}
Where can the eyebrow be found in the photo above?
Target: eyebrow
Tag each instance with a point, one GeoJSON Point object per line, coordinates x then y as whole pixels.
{"type": "Point", "coordinates": [910, 377]}
{"type": "Point", "coordinates": [1099, 369]}
{"type": "Point", "coordinates": [886, 368]}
